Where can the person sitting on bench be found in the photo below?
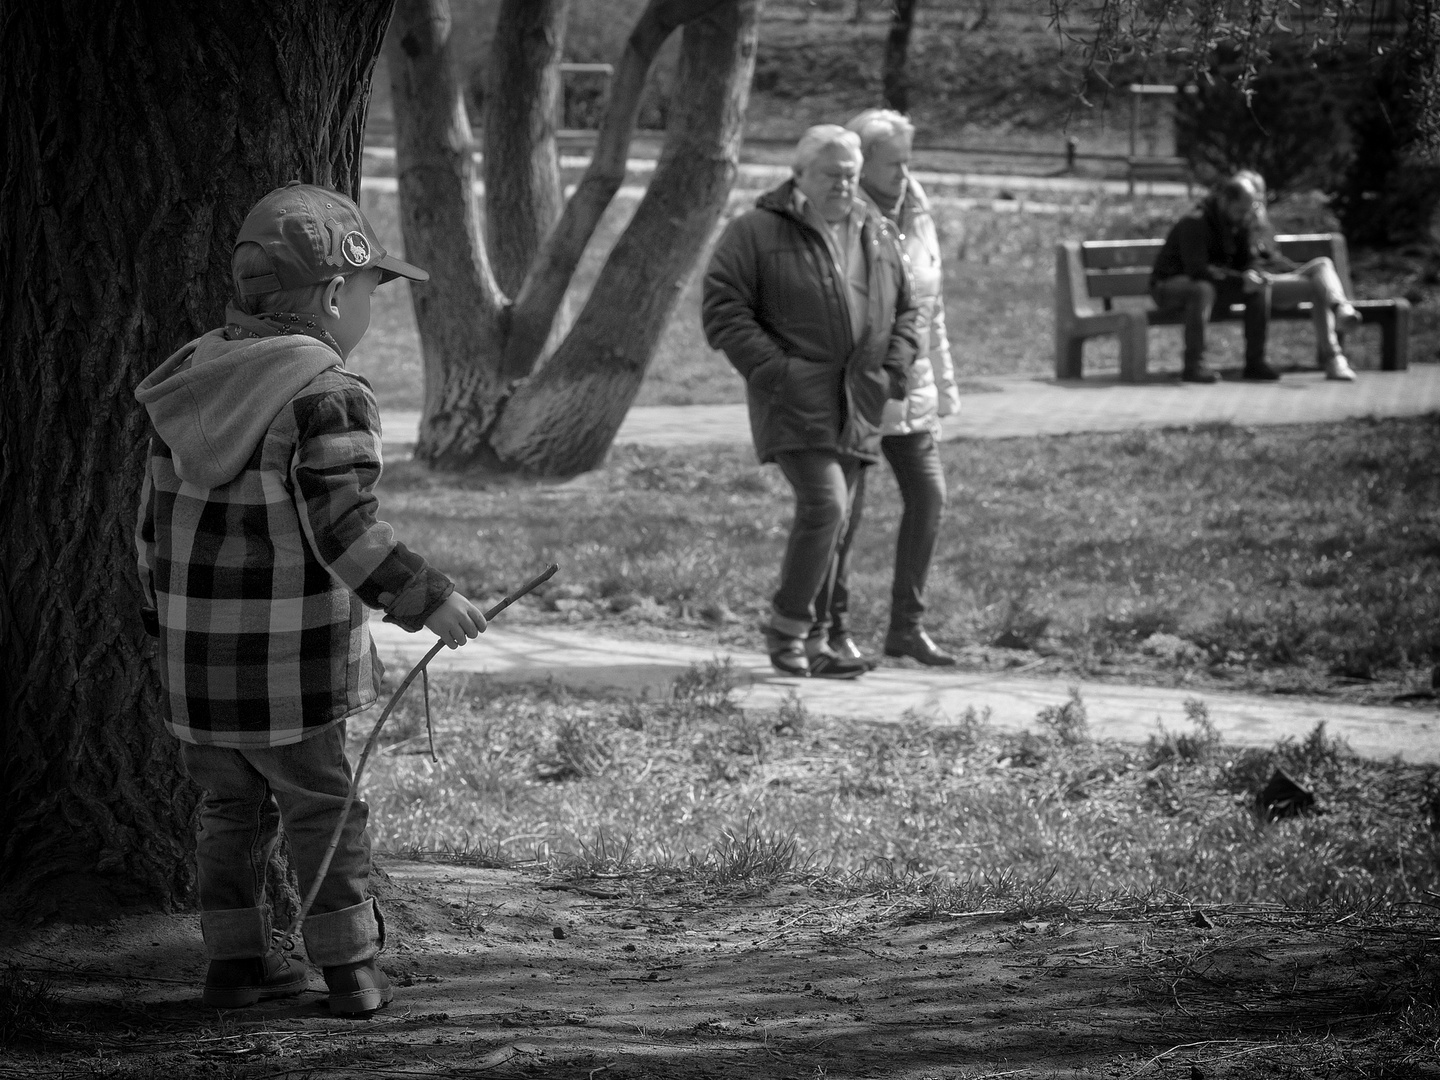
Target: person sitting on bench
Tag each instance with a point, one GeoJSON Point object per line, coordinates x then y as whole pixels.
{"type": "Point", "coordinates": [1292, 284]}
{"type": "Point", "coordinates": [1218, 254]}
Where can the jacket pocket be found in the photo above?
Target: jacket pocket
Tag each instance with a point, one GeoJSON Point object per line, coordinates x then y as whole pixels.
{"type": "Point", "coordinates": [769, 377]}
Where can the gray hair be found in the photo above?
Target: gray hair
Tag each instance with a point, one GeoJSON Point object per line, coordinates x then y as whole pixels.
{"type": "Point", "coordinates": [818, 138]}
{"type": "Point", "coordinates": [879, 125]}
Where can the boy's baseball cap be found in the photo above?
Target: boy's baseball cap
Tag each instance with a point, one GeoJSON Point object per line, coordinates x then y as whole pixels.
{"type": "Point", "coordinates": [311, 234]}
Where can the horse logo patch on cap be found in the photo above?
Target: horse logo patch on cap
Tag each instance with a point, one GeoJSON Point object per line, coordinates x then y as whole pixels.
{"type": "Point", "coordinates": [355, 248]}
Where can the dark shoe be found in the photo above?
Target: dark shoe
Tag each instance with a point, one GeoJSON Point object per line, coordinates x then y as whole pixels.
{"type": "Point", "coordinates": [787, 655]}
{"type": "Point", "coordinates": [358, 988]}
{"type": "Point", "coordinates": [829, 666]}
{"type": "Point", "coordinates": [843, 646]}
{"type": "Point", "coordinates": [1198, 373]}
{"type": "Point", "coordinates": [1261, 372]}
{"type": "Point", "coordinates": [236, 984]}
{"type": "Point", "coordinates": [917, 645]}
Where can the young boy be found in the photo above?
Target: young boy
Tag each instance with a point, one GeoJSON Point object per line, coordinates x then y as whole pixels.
{"type": "Point", "coordinates": [259, 551]}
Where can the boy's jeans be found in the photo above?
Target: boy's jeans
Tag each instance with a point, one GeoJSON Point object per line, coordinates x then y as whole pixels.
{"type": "Point", "coordinates": [248, 793]}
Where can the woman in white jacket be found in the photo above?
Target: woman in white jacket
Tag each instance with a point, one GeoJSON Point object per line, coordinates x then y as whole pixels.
{"type": "Point", "coordinates": [911, 427]}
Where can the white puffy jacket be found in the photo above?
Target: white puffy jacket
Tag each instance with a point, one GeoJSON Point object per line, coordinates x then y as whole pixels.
{"type": "Point", "coordinates": [930, 391]}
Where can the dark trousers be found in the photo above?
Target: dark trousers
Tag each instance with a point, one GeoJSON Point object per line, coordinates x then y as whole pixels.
{"type": "Point", "coordinates": [824, 485]}
{"type": "Point", "coordinates": [1197, 299]}
{"type": "Point", "coordinates": [915, 460]}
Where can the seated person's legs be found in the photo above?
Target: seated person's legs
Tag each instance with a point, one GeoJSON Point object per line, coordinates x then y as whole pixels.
{"type": "Point", "coordinates": [1196, 299]}
{"type": "Point", "coordinates": [1318, 283]}
{"type": "Point", "coordinates": [1257, 325]}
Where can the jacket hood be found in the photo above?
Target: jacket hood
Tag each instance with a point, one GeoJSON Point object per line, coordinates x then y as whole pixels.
{"type": "Point", "coordinates": [213, 400]}
{"type": "Point", "coordinates": [779, 199]}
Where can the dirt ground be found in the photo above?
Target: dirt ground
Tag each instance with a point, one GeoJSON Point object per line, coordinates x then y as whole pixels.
{"type": "Point", "coordinates": [502, 973]}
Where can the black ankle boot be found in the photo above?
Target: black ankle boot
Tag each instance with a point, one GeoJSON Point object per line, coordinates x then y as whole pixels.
{"type": "Point", "coordinates": [916, 644]}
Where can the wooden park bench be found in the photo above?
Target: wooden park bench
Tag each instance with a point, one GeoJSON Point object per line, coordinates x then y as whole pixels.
{"type": "Point", "coordinates": [1091, 275]}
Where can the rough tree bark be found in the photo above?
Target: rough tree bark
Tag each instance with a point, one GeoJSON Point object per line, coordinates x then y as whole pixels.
{"type": "Point", "coordinates": [136, 134]}
{"type": "Point", "coordinates": [895, 79]}
{"type": "Point", "coordinates": [490, 402]}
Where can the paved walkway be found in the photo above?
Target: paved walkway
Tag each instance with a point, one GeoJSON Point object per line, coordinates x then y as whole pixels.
{"type": "Point", "coordinates": [1024, 405]}
{"type": "Point", "coordinates": [581, 658]}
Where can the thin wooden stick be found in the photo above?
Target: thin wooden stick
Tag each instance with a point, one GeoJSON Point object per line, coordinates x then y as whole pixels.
{"type": "Point", "coordinates": [539, 579]}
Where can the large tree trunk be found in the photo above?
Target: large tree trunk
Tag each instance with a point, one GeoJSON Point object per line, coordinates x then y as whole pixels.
{"type": "Point", "coordinates": [562, 420]}
{"type": "Point", "coordinates": [136, 135]}
{"type": "Point", "coordinates": [894, 78]}
{"type": "Point", "coordinates": [522, 94]}
{"type": "Point", "coordinates": [489, 408]}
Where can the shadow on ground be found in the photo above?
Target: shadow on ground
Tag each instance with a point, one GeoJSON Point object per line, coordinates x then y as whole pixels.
{"type": "Point", "coordinates": [503, 974]}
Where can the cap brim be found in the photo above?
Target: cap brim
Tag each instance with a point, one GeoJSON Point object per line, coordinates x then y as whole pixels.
{"type": "Point", "coordinates": [391, 268]}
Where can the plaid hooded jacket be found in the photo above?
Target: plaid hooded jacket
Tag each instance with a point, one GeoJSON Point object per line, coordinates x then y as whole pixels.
{"type": "Point", "coordinates": [258, 543]}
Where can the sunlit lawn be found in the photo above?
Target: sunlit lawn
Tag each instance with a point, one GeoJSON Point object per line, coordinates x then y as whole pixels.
{"type": "Point", "coordinates": [1305, 558]}
{"type": "Point", "coordinates": [694, 785]}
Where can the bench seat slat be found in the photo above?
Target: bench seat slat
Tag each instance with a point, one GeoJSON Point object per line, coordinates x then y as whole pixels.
{"type": "Point", "coordinates": [1106, 284]}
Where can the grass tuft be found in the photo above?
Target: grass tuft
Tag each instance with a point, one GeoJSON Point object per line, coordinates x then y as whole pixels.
{"type": "Point", "coordinates": [936, 802]}
{"type": "Point", "coordinates": [27, 1002]}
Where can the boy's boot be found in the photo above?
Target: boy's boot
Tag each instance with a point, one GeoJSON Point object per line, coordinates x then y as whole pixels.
{"type": "Point", "coordinates": [236, 984]}
{"type": "Point", "coordinates": [358, 988]}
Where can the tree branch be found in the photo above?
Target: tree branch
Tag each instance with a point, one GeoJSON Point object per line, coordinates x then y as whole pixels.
{"type": "Point", "coordinates": [544, 288]}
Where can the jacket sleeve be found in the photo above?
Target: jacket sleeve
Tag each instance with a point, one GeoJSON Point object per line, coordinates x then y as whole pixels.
{"type": "Point", "coordinates": [336, 466]}
{"type": "Point", "coordinates": [946, 390]}
{"type": "Point", "coordinates": [728, 304]}
{"type": "Point", "coordinates": [904, 336]}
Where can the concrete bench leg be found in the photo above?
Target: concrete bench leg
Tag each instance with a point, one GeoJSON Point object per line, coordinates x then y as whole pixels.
{"type": "Point", "coordinates": [1133, 349]}
{"type": "Point", "coordinates": [1395, 338]}
{"type": "Point", "coordinates": [1069, 362]}
{"type": "Point", "coordinates": [1393, 318]}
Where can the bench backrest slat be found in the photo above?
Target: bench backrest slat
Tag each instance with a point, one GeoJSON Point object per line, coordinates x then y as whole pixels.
{"type": "Point", "coordinates": [1106, 284]}
{"type": "Point", "coordinates": [1114, 254]}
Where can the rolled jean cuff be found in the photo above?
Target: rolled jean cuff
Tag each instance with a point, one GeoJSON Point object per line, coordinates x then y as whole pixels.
{"type": "Point", "coordinates": [785, 626]}
{"type": "Point", "coordinates": [235, 933]}
{"type": "Point", "coordinates": [348, 936]}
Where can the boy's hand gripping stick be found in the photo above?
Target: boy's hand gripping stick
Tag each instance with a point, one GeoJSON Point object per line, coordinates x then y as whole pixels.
{"type": "Point", "coordinates": [538, 580]}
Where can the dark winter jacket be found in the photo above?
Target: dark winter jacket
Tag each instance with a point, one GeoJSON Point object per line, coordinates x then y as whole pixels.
{"type": "Point", "coordinates": [775, 304]}
{"type": "Point", "coordinates": [1204, 246]}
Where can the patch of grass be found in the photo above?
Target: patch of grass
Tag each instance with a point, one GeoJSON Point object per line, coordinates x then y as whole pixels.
{"type": "Point", "coordinates": [1222, 553]}
{"type": "Point", "coordinates": [27, 1004]}
{"type": "Point", "coordinates": [738, 794]}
